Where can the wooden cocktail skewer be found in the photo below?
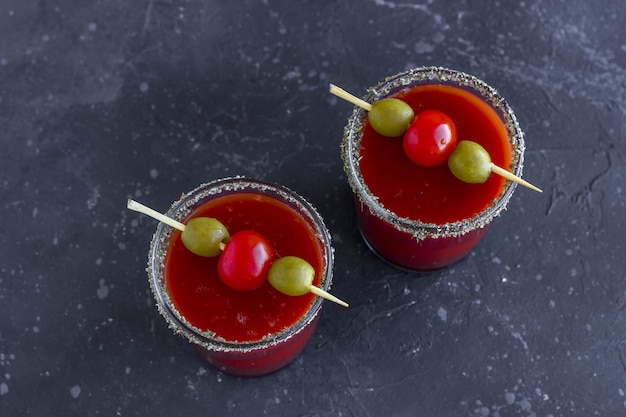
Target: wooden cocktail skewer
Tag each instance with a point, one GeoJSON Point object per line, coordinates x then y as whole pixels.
{"type": "Point", "coordinates": [340, 92]}
{"type": "Point", "coordinates": [321, 293]}
{"type": "Point", "coordinates": [511, 177]}
{"type": "Point", "coordinates": [138, 207]}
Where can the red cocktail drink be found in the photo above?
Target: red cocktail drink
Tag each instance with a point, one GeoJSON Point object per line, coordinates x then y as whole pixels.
{"type": "Point", "coordinates": [422, 218]}
{"type": "Point", "coordinates": [241, 332]}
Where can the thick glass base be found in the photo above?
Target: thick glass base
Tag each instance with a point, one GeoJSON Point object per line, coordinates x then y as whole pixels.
{"type": "Point", "coordinates": [404, 251]}
{"type": "Point", "coordinates": [257, 362]}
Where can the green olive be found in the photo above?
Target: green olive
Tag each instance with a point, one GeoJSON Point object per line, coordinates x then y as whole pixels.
{"type": "Point", "coordinates": [203, 236]}
{"type": "Point", "coordinates": [470, 162]}
{"type": "Point", "coordinates": [291, 275]}
{"type": "Point", "coordinates": [390, 117]}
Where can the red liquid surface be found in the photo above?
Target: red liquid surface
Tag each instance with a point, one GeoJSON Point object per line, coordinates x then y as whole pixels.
{"type": "Point", "coordinates": [243, 316]}
{"type": "Point", "coordinates": [433, 194]}
{"type": "Point", "coordinates": [430, 194]}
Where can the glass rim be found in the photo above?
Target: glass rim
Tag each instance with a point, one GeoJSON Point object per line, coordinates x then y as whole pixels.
{"type": "Point", "coordinates": [180, 209]}
{"type": "Point", "coordinates": [424, 75]}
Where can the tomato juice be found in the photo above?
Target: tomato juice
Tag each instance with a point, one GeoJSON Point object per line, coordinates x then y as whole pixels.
{"type": "Point", "coordinates": [241, 332]}
{"type": "Point", "coordinates": [422, 218]}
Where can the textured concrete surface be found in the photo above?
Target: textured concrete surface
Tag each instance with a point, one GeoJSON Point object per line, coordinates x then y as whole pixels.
{"type": "Point", "coordinates": [102, 101]}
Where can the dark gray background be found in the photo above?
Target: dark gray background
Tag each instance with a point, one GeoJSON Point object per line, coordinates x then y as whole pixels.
{"type": "Point", "coordinates": [105, 100]}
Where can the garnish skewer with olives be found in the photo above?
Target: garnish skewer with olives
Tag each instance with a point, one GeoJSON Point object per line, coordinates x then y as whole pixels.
{"type": "Point", "coordinates": [292, 275]}
{"type": "Point", "coordinates": [246, 258]}
{"type": "Point", "coordinates": [388, 116]}
{"type": "Point", "coordinates": [430, 139]}
{"type": "Point", "coordinates": [471, 163]}
{"type": "Point", "coordinates": [204, 236]}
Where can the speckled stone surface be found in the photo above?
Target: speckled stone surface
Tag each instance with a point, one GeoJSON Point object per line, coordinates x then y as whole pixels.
{"type": "Point", "coordinates": [105, 100]}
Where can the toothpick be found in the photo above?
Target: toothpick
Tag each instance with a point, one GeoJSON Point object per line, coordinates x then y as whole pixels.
{"type": "Point", "coordinates": [340, 92]}
{"type": "Point", "coordinates": [321, 293]}
{"type": "Point", "coordinates": [138, 207]}
{"type": "Point", "coordinates": [509, 176]}
{"type": "Point", "coordinates": [135, 206]}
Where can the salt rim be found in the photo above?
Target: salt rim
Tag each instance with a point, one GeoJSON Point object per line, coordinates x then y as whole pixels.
{"type": "Point", "coordinates": [180, 209]}
{"type": "Point", "coordinates": [422, 75]}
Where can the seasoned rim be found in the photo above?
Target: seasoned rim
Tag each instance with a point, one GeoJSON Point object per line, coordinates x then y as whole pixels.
{"type": "Point", "coordinates": [180, 209]}
{"type": "Point", "coordinates": [353, 133]}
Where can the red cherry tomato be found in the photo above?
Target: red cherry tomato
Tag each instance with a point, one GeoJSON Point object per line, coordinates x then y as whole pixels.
{"type": "Point", "coordinates": [430, 138]}
{"type": "Point", "coordinates": [244, 263]}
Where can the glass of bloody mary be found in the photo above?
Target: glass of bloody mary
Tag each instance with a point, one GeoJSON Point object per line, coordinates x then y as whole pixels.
{"type": "Point", "coordinates": [240, 332]}
{"type": "Point", "coordinates": [424, 218]}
